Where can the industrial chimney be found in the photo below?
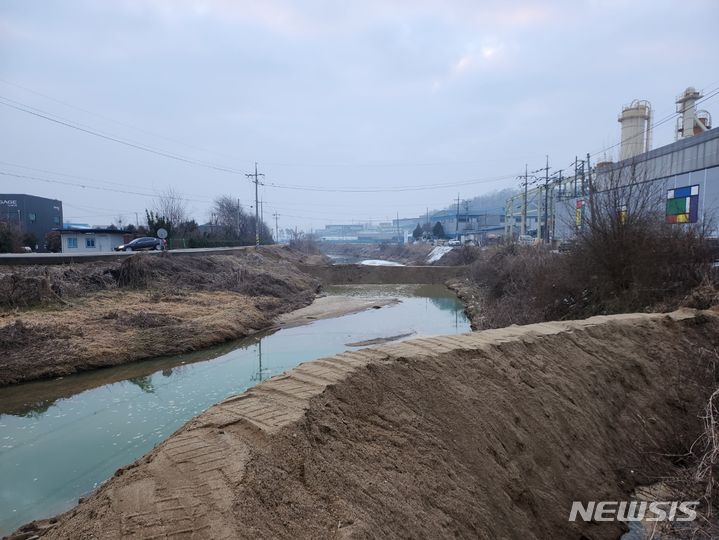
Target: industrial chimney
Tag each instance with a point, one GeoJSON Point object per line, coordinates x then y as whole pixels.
{"type": "Point", "coordinates": [691, 122]}
{"type": "Point", "coordinates": [636, 121]}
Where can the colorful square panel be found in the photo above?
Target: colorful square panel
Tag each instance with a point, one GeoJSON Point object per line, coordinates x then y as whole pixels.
{"type": "Point", "coordinates": [683, 205]}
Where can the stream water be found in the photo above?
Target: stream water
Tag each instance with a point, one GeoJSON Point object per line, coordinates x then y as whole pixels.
{"type": "Point", "coordinates": [60, 439]}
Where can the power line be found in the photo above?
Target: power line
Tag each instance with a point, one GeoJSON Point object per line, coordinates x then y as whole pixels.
{"type": "Point", "coordinates": [139, 146]}
{"type": "Point", "coordinates": [114, 120]}
{"type": "Point", "coordinates": [84, 186]}
{"type": "Point", "coordinates": [187, 196]}
{"type": "Point", "coordinates": [277, 163]}
{"type": "Point", "coordinates": [664, 120]}
{"type": "Point", "coordinates": [66, 175]}
{"type": "Point", "coordinates": [713, 92]}
{"type": "Point", "coordinates": [396, 189]}
{"type": "Point", "coordinates": [331, 216]}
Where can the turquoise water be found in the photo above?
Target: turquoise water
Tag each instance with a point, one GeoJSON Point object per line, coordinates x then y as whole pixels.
{"type": "Point", "coordinates": [60, 439]}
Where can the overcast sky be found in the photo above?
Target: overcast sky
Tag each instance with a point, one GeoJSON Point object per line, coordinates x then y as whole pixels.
{"type": "Point", "coordinates": [331, 94]}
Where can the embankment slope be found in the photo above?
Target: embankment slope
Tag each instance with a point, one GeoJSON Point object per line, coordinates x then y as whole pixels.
{"type": "Point", "coordinates": [485, 435]}
{"type": "Point", "coordinates": [59, 320]}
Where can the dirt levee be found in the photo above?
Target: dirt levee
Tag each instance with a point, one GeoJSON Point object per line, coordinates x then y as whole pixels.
{"type": "Point", "coordinates": [490, 435]}
{"type": "Point", "coordinates": [59, 320]}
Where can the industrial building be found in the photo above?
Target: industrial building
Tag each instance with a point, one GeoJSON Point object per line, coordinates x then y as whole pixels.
{"type": "Point", "coordinates": [361, 233]}
{"type": "Point", "coordinates": [33, 216]}
{"type": "Point", "coordinates": [683, 176]}
{"type": "Point", "coordinates": [466, 222]}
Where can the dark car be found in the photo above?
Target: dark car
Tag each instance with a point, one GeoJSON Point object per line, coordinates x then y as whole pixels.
{"type": "Point", "coordinates": [138, 244]}
{"type": "Point", "coordinates": [566, 246]}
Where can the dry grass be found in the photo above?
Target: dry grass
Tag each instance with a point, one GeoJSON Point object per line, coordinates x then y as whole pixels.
{"type": "Point", "coordinates": [115, 327]}
{"type": "Point", "coordinates": [659, 269]}
{"type": "Point", "coordinates": [266, 271]}
{"type": "Point", "coordinates": [707, 467]}
{"type": "Point", "coordinates": [149, 306]}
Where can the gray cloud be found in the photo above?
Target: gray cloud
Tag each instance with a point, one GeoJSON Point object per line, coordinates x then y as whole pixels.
{"type": "Point", "coordinates": [336, 94]}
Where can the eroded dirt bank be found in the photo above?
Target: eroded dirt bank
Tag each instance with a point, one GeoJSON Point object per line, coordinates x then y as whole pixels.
{"type": "Point", "coordinates": [59, 320]}
{"type": "Point", "coordinates": [490, 435]}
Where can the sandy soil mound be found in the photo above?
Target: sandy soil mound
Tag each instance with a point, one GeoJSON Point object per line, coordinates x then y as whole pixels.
{"type": "Point", "coordinates": [483, 435]}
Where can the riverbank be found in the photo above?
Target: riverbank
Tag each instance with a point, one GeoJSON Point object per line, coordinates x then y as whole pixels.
{"type": "Point", "coordinates": [471, 296]}
{"type": "Point", "coordinates": [489, 434]}
{"type": "Point", "coordinates": [61, 439]}
{"type": "Point", "coordinates": [62, 320]}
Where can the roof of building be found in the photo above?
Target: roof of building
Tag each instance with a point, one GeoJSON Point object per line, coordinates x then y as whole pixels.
{"type": "Point", "coordinates": [670, 148]}
{"type": "Point", "coordinates": [17, 195]}
{"type": "Point", "coordinates": [93, 231]}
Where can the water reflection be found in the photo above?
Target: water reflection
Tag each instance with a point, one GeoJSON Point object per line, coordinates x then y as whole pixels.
{"type": "Point", "coordinates": [35, 398]}
{"type": "Point", "coordinates": [143, 383]}
{"type": "Point", "coordinates": [60, 439]}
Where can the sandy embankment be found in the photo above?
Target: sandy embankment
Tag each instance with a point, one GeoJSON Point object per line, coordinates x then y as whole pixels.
{"type": "Point", "coordinates": [486, 435]}
{"type": "Point", "coordinates": [325, 307]}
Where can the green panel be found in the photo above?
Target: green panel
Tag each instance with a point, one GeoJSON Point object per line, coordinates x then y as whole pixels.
{"type": "Point", "coordinates": [677, 206]}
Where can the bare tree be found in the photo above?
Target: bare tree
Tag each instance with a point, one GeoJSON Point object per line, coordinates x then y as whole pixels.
{"type": "Point", "coordinates": [171, 206]}
{"type": "Point", "coordinates": [229, 217]}
{"type": "Point", "coordinates": [636, 256]}
{"type": "Point", "coordinates": [232, 222]}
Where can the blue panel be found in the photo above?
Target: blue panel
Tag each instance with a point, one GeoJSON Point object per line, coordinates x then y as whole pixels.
{"type": "Point", "coordinates": [694, 209]}
{"type": "Point", "coordinates": [683, 192]}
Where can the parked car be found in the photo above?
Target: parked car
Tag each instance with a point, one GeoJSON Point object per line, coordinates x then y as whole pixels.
{"type": "Point", "coordinates": [139, 244]}
{"type": "Point", "coordinates": [454, 243]}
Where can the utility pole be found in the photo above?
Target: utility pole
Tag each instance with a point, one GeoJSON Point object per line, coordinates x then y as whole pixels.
{"type": "Point", "coordinates": [523, 228]}
{"type": "Point", "coordinates": [554, 204]}
{"type": "Point", "coordinates": [591, 192]}
{"type": "Point", "coordinates": [576, 173]}
{"type": "Point", "coordinates": [262, 215]}
{"type": "Point", "coordinates": [456, 221]}
{"type": "Point", "coordinates": [277, 229]}
{"type": "Point", "coordinates": [545, 231]}
{"type": "Point", "coordinates": [399, 240]}
{"type": "Point", "coordinates": [256, 180]}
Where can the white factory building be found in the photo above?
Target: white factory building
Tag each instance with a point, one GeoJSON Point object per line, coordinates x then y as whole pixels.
{"type": "Point", "coordinates": [684, 175]}
{"type": "Point", "coordinates": [91, 240]}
